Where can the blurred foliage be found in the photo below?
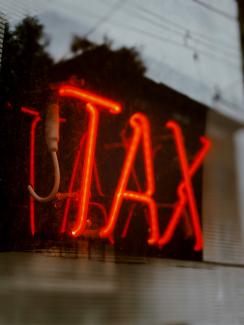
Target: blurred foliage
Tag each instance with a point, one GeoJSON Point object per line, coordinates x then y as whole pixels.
{"type": "Point", "coordinates": [27, 67]}
{"type": "Point", "coordinates": [126, 60]}
{"type": "Point", "coordinates": [25, 63]}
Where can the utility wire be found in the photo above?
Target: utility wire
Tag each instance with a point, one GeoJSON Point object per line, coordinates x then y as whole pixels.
{"type": "Point", "coordinates": [201, 38]}
{"type": "Point", "coordinates": [166, 40]}
{"type": "Point", "coordinates": [106, 17]}
{"type": "Point", "coordinates": [215, 10]}
{"type": "Point", "coordinates": [185, 37]}
{"type": "Point", "coordinates": [175, 43]}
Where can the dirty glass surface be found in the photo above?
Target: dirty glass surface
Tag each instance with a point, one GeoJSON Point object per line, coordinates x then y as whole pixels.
{"type": "Point", "coordinates": [143, 106]}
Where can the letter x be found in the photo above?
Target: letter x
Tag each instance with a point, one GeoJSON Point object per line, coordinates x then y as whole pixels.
{"type": "Point", "coordinates": [185, 189]}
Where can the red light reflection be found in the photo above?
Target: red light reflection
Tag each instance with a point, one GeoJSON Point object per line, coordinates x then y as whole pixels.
{"type": "Point", "coordinates": [141, 131]}
{"type": "Point", "coordinates": [91, 98]}
{"type": "Point", "coordinates": [185, 189]}
{"type": "Point", "coordinates": [89, 156]}
{"type": "Point", "coordinates": [141, 134]}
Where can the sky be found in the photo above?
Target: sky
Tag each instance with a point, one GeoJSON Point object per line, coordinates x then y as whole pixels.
{"type": "Point", "coordinates": [190, 45]}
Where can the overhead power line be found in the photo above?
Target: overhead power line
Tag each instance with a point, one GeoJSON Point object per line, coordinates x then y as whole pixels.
{"type": "Point", "coordinates": [177, 28]}
{"type": "Point", "coordinates": [211, 55]}
{"type": "Point", "coordinates": [214, 9]}
{"type": "Point", "coordinates": [106, 17]}
{"type": "Point", "coordinates": [226, 55]}
{"type": "Point", "coordinates": [183, 42]}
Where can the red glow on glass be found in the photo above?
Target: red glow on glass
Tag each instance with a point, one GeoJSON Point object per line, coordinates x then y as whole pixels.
{"type": "Point", "coordinates": [77, 161]}
{"type": "Point", "coordinates": [34, 123]}
{"type": "Point", "coordinates": [89, 157]}
{"type": "Point", "coordinates": [89, 97]}
{"type": "Point", "coordinates": [97, 180]}
{"type": "Point", "coordinates": [80, 224]}
{"type": "Point", "coordinates": [185, 190]}
{"type": "Point", "coordinates": [71, 184]}
{"type": "Point", "coordinates": [103, 211]}
{"type": "Point", "coordinates": [141, 131]}
{"type": "Point", "coordinates": [85, 160]}
{"type": "Point", "coordinates": [128, 220]}
{"type": "Point", "coordinates": [29, 111]}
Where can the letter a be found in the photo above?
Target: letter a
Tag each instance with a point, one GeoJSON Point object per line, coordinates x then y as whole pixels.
{"type": "Point", "coordinates": [141, 132]}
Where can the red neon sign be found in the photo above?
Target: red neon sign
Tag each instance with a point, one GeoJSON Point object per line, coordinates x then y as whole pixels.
{"type": "Point", "coordinates": [185, 189]}
{"type": "Point", "coordinates": [141, 135]}
{"type": "Point", "coordinates": [89, 157]}
{"type": "Point", "coordinates": [34, 123]}
{"type": "Point", "coordinates": [141, 132]}
{"type": "Point", "coordinates": [91, 98]}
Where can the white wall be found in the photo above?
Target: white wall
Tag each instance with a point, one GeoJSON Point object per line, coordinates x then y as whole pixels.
{"type": "Point", "coordinates": [239, 153]}
{"type": "Point", "coordinates": [223, 193]}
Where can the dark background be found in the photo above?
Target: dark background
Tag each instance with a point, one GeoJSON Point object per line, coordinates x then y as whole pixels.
{"type": "Point", "coordinates": [27, 71]}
